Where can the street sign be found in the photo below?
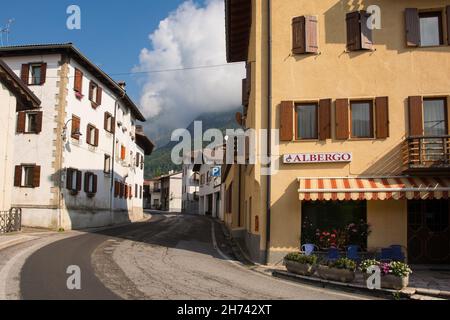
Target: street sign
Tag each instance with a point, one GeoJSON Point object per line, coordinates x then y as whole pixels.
{"type": "Point", "coordinates": [216, 172]}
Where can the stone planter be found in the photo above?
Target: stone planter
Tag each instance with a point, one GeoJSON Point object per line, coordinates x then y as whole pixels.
{"type": "Point", "coordinates": [392, 282]}
{"type": "Point", "coordinates": [299, 268]}
{"type": "Point", "coordinates": [333, 274]}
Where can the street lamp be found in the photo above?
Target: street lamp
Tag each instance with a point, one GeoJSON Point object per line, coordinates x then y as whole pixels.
{"type": "Point", "coordinates": [77, 132]}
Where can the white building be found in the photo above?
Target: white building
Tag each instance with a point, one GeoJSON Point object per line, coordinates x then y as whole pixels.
{"type": "Point", "coordinates": [171, 192]}
{"type": "Point", "coordinates": [87, 157]}
{"type": "Point", "coordinates": [210, 190]}
{"type": "Point", "coordinates": [152, 194]}
{"type": "Point", "coordinates": [191, 185]}
{"type": "Point", "coordinates": [15, 97]}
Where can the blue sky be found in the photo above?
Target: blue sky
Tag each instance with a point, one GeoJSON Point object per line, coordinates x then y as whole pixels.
{"type": "Point", "coordinates": [112, 34]}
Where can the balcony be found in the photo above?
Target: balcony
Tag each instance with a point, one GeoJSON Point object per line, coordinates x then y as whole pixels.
{"type": "Point", "coordinates": [427, 155]}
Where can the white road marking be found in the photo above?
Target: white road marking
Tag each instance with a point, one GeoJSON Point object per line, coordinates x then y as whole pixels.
{"type": "Point", "coordinates": [240, 266]}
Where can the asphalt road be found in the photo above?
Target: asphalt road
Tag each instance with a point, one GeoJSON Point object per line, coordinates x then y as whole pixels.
{"type": "Point", "coordinates": [171, 257]}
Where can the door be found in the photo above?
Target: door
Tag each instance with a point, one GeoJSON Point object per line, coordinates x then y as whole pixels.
{"type": "Point", "coordinates": [429, 232]}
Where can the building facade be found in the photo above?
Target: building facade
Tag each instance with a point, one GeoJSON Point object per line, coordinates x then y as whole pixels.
{"type": "Point", "coordinates": [152, 194]}
{"type": "Point", "coordinates": [191, 184]}
{"type": "Point", "coordinates": [171, 192]}
{"type": "Point", "coordinates": [14, 97]}
{"type": "Point", "coordinates": [88, 154]}
{"type": "Point", "coordinates": [209, 192]}
{"type": "Point", "coordinates": [363, 120]}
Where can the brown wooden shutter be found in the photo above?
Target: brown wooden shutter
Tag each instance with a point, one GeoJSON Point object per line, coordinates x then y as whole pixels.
{"type": "Point", "coordinates": [69, 177]}
{"type": "Point", "coordinates": [415, 116]}
{"type": "Point", "coordinates": [79, 177]}
{"type": "Point", "coordinates": [298, 35]}
{"type": "Point", "coordinates": [98, 99]}
{"type": "Point", "coordinates": [18, 176]}
{"type": "Point", "coordinates": [96, 137]}
{"type": "Point", "coordinates": [43, 73]}
{"type": "Point", "coordinates": [86, 182]}
{"type": "Point", "coordinates": [325, 119]}
{"type": "Point", "coordinates": [105, 123]}
{"type": "Point", "coordinates": [353, 31]}
{"type": "Point", "coordinates": [342, 119]}
{"type": "Point", "coordinates": [311, 34]}
{"type": "Point", "coordinates": [447, 12]}
{"type": "Point", "coordinates": [382, 117]}
{"type": "Point", "coordinates": [25, 73]}
{"type": "Point", "coordinates": [88, 135]}
{"type": "Point", "coordinates": [366, 32]}
{"type": "Point", "coordinates": [113, 125]}
{"type": "Point", "coordinates": [91, 91]}
{"type": "Point", "coordinates": [95, 183]}
{"type": "Point", "coordinates": [75, 127]}
{"type": "Point", "coordinates": [412, 27]}
{"type": "Point", "coordinates": [21, 118]}
{"type": "Point", "coordinates": [36, 176]}
{"type": "Point", "coordinates": [287, 121]}
{"type": "Point", "coordinates": [116, 189]}
{"type": "Point", "coordinates": [78, 87]}
{"type": "Point", "coordinates": [39, 122]}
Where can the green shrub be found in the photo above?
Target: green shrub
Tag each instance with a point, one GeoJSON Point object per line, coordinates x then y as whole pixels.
{"type": "Point", "coordinates": [344, 264]}
{"type": "Point", "coordinates": [301, 258]}
{"type": "Point", "coordinates": [366, 264]}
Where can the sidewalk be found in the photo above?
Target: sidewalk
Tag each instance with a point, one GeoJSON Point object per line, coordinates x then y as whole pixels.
{"type": "Point", "coordinates": [27, 234]}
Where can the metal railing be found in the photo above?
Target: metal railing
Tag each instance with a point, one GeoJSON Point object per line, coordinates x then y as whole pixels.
{"type": "Point", "coordinates": [428, 152]}
{"type": "Point", "coordinates": [11, 221]}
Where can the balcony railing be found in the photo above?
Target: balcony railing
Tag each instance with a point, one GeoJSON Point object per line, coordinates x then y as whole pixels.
{"type": "Point", "coordinates": [428, 153]}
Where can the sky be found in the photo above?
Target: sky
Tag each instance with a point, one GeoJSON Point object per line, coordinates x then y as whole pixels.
{"type": "Point", "coordinates": [140, 36]}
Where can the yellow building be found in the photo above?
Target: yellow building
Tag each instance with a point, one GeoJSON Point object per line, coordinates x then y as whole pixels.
{"type": "Point", "coordinates": [359, 92]}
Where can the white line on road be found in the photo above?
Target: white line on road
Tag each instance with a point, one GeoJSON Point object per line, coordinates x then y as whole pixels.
{"type": "Point", "coordinates": [240, 266]}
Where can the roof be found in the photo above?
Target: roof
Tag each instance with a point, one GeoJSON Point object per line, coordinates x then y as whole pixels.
{"type": "Point", "coordinates": [373, 188]}
{"type": "Point", "coordinates": [238, 21]}
{"type": "Point", "coordinates": [73, 52]}
{"type": "Point", "coordinates": [145, 143]}
{"type": "Point", "coordinates": [26, 98]}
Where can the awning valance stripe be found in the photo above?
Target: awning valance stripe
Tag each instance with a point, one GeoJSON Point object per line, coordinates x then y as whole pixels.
{"type": "Point", "coordinates": [385, 188]}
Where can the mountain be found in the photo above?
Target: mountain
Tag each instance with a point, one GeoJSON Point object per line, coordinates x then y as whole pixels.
{"type": "Point", "coordinates": [160, 161]}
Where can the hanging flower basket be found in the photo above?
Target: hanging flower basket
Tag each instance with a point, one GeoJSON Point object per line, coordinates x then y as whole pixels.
{"type": "Point", "coordinates": [79, 95]}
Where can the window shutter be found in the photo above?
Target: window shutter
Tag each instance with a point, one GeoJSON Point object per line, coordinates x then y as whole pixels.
{"type": "Point", "coordinates": [287, 121]}
{"type": "Point", "coordinates": [342, 122]}
{"type": "Point", "coordinates": [298, 35]}
{"type": "Point", "coordinates": [353, 31]}
{"type": "Point", "coordinates": [366, 32]}
{"type": "Point", "coordinates": [91, 91]}
{"type": "Point", "coordinates": [25, 73]}
{"type": "Point", "coordinates": [18, 176]}
{"type": "Point", "coordinates": [86, 182]}
{"type": "Point", "coordinates": [78, 87]}
{"type": "Point", "coordinates": [412, 27]}
{"type": "Point", "coordinates": [130, 192]}
{"type": "Point", "coordinates": [137, 160]}
{"type": "Point", "coordinates": [88, 134]}
{"type": "Point", "coordinates": [39, 122]}
{"type": "Point", "coordinates": [98, 99]}
{"type": "Point", "coordinates": [95, 183]}
{"type": "Point", "coordinates": [79, 177]}
{"type": "Point", "coordinates": [75, 127]}
{"type": "Point", "coordinates": [43, 73]}
{"type": "Point", "coordinates": [382, 117]}
{"type": "Point", "coordinates": [69, 176]}
{"type": "Point", "coordinates": [311, 34]}
{"type": "Point", "coordinates": [105, 123]}
{"type": "Point", "coordinates": [21, 118]}
{"type": "Point", "coordinates": [415, 116]}
{"type": "Point", "coordinates": [37, 177]}
{"type": "Point", "coordinates": [325, 119]}
{"type": "Point", "coordinates": [96, 137]}
{"type": "Point", "coordinates": [116, 189]}
{"type": "Point", "coordinates": [113, 125]}
{"type": "Point", "coordinates": [447, 12]}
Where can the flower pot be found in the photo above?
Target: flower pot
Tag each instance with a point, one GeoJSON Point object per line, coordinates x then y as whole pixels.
{"type": "Point", "coordinates": [391, 282]}
{"type": "Point", "coordinates": [333, 274]}
{"type": "Point", "coordinates": [299, 268]}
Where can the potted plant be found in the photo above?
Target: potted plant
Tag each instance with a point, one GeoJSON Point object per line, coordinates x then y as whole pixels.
{"type": "Point", "coordinates": [394, 275]}
{"type": "Point", "coordinates": [300, 264]}
{"type": "Point", "coordinates": [342, 270]}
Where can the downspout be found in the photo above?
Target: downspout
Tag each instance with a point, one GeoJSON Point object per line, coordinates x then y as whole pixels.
{"type": "Point", "coordinates": [269, 127]}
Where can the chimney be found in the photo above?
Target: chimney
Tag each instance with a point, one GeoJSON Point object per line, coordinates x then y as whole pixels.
{"type": "Point", "coordinates": [139, 129]}
{"type": "Point", "coordinates": [122, 84]}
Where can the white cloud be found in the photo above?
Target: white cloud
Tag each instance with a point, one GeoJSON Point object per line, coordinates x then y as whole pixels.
{"type": "Point", "coordinates": [191, 36]}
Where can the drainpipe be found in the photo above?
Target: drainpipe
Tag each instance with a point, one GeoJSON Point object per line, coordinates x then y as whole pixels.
{"type": "Point", "coordinates": [269, 127]}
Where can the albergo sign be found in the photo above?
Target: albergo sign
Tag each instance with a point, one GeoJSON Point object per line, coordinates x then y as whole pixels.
{"type": "Point", "coordinates": [331, 157]}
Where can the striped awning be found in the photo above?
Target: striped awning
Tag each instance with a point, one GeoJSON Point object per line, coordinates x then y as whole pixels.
{"type": "Point", "coordinates": [397, 188]}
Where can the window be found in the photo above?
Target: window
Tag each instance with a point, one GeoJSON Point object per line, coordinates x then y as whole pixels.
{"type": "Point", "coordinates": [95, 94]}
{"type": "Point", "coordinates": [109, 122]}
{"type": "Point", "coordinates": [92, 135]}
{"type": "Point", "coordinates": [73, 180]}
{"type": "Point", "coordinates": [90, 183]}
{"type": "Point", "coordinates": [35, 74]}
{"type": "Point", "coordinates": [107, 164]}
{"type": "Point", "coordinates": [136, 191]}
{"type": "Point", "coordinates": [123, 153]}
{"type": "Point", "coordinates": [306, 121]}
{"type": "Point", "coordinates": [29, 122]}
{"type": "Point", "coordinates": [435, 117]}
{"type": "Point", "coordinates": [359, 35]}
{"type": "Point", "coordinates": [75, 132]}
{"type": "Point", "coordinates": [78, 82]}
{"type": "Point", "coordinates": [431, 29]}
{"type": "Point", "coordinates": [362, 119]}
{"type": "Point", "coordinates": [304, 35]}
{"type": "Point", "coordinates": [27, 176]}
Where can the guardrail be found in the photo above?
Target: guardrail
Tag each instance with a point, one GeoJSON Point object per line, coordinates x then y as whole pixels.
{"type": "Point", "coordinates": [11, 221]}
{"type": "Point", "coordinates": [427, 152]}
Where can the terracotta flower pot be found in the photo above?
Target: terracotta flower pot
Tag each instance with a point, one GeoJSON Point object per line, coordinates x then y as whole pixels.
{"type": "Point", "coordinates": [299, 268]}
{"type": "Point", "coordinates": [333, 274]}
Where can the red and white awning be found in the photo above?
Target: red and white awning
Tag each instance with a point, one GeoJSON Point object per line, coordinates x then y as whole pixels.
{"type": "Point", "coordinates": [396, 188]}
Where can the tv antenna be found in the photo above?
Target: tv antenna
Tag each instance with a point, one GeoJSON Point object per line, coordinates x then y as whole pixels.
{"type": "Point", "coordinates": [6, 31]}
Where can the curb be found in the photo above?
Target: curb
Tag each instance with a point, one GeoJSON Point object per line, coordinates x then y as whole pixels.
{"type": "Point", "coordinates": [12, 243]}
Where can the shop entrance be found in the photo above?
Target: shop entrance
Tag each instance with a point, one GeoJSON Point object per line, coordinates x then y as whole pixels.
{"type": "Point", "coordinates": [429, 232]}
